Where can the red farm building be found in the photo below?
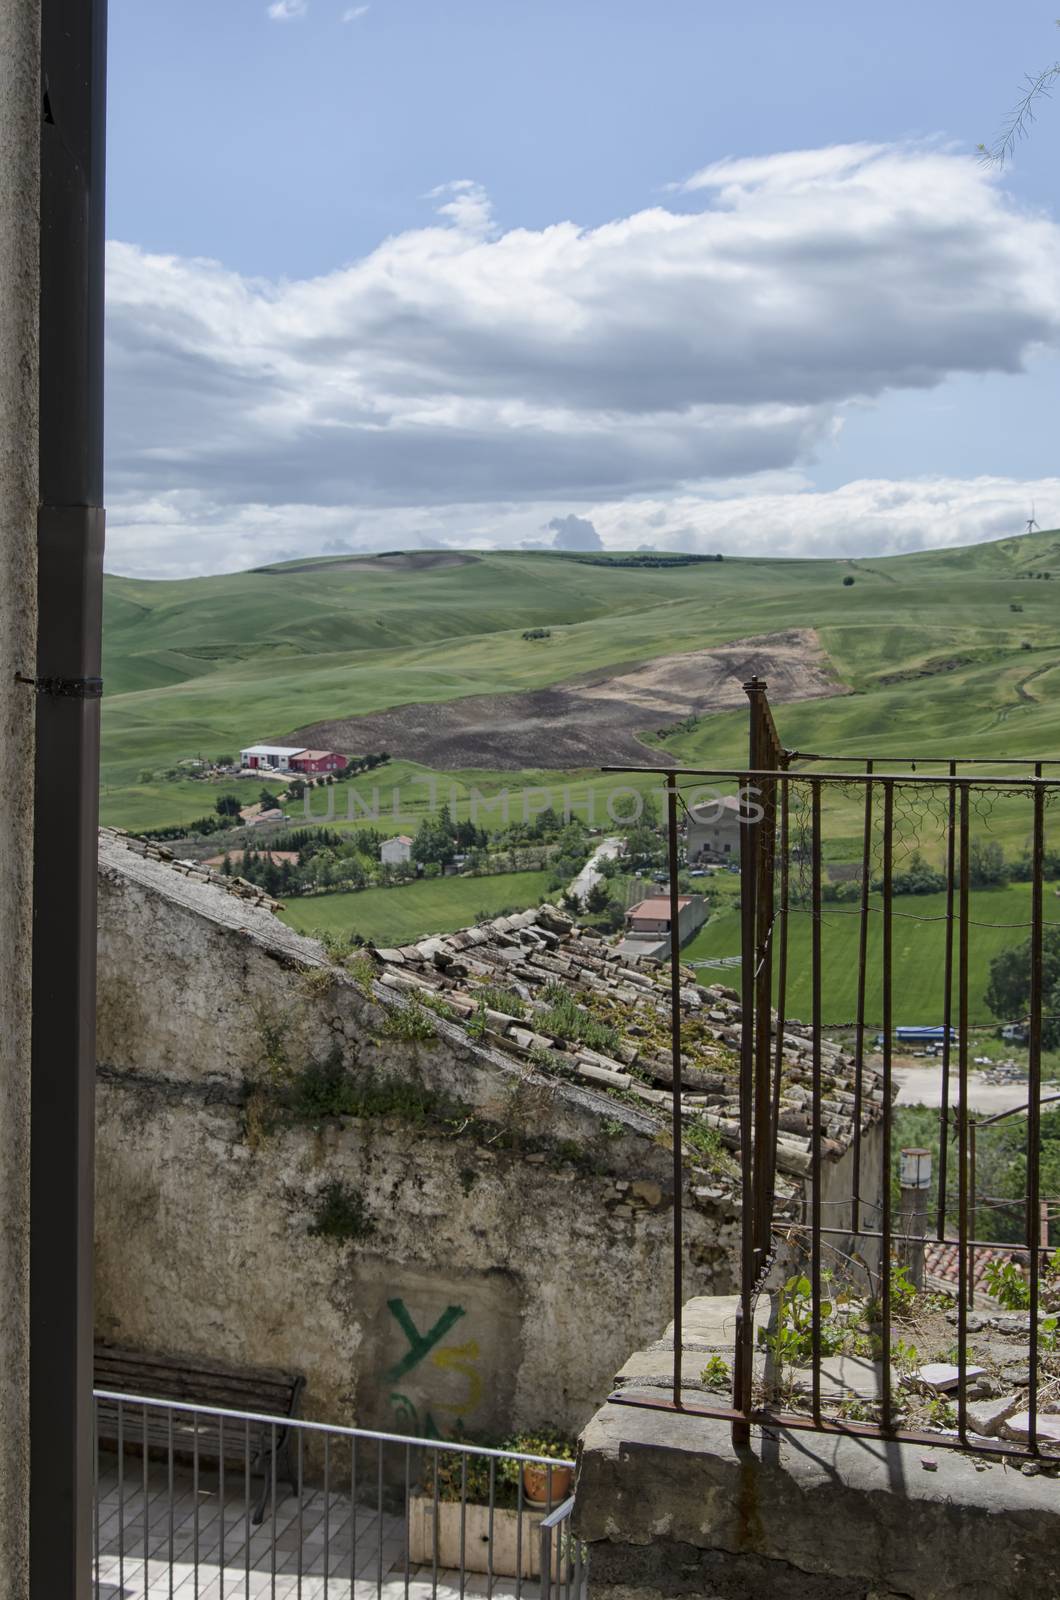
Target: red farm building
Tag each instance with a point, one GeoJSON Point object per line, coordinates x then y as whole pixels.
{"type": "Point", "coordinates": [315, 762]}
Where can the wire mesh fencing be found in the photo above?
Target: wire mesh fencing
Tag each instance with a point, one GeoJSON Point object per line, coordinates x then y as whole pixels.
{"type": "Point", "coordinates": [865, 935]}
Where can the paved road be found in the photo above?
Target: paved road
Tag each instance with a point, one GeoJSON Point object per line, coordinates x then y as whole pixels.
{"type": "Point", "coordinates": [589, 876]}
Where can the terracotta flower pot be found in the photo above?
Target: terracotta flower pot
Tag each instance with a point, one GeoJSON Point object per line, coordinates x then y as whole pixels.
{"type": "Point", "coordinates": [536, 1482]}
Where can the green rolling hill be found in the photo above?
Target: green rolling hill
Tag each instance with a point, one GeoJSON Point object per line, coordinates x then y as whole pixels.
{"type": "Point", "coordinates": [943, 652]}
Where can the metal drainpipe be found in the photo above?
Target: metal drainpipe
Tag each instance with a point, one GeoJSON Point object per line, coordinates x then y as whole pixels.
{"type": "Point", "coordinates": [70, 587]}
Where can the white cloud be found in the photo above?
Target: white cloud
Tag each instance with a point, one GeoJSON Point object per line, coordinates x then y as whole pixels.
{"type": "Point", "coordinates": [287, 10]}
{"type": "Point", "coordinates": [182, 533]}
{"type": "Point", "coordinates": [574, 533]}
{"type": "Point", "coordinates": [461, 365]}
{"type": "Point", "coordinates": [354, 13]}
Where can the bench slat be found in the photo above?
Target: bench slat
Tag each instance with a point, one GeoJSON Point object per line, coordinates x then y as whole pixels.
{"type": "Point", "coordinates": [192, 1364]}
{"type": "Point", "coordinates": [195, 1381]}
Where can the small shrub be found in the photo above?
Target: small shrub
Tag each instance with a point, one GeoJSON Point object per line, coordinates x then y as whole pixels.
{"type": "Point", "coordinates": [791, 1341]}
{"type": "Point", "coordinates": [848, 582]}
{"type": "Point", "coordinates": [340, 1213]}
{"type": "Point", "coordinates": [941, 1413]}
{"type": "Point", "coordinates": [903, 1293]}
{"type": "Point", "coordinates": [1009, 1287]}
{"type": "Point", "coordinates": [716, 1373]}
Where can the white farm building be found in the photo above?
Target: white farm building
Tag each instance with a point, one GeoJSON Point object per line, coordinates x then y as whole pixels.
{"type": "Point", "coordinates": [277, 757]}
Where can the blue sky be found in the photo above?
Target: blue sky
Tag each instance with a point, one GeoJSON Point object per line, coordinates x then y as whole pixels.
{"type": "Point", "coordinates": [287, 148]}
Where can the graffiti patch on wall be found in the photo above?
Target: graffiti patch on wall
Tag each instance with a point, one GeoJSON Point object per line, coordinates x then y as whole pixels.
{"type": "Point", "coordinates": [442, 1354]}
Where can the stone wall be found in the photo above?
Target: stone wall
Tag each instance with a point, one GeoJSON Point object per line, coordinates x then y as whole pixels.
{"type": "Point", "coordinates": [669, 1507]}
{"type": "Point", "coordinates": [508, 1233]}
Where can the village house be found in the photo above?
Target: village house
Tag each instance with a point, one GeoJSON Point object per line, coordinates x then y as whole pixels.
{"type": "Point", "coordinates": [648, 925]}
{"type": "Point", "coordinates": [397, 851]}
{"type": "Point", "coordinates": [714, 830]}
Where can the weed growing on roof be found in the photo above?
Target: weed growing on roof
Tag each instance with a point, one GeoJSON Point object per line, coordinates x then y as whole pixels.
{"type": "Point", "coordinates": [501, 999]}
{"type": "Point", "coordinates": [703, 1139]}
{"type": "Point", "coordinates": [563, 1018]}
{"type": "Point", "coordinates": [341, 1213]}
{"type": "Point", "coordinates": [317, 981]}
{"type": "Point", "coordinates": [362, 970]}
{"type": "Point", "coordinates": [338, 946]}
{"type": "Point", "coordinates": [435, 1002]}
{"type": "Point", "coordinates": [409, 1020]}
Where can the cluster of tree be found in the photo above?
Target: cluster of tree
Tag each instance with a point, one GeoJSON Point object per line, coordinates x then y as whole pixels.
{"type": "Point", "coordinates": [988, 868]}
{"type": "Point", "coordinates": [171, 774]}
{"type": "Point", "coordinates": [1008, 991]}
{"type": "Point", "coordinates": [572, 847]}
{"type": "Point", "coordinates": [537, 633]}
{"type": "Point", "coordinates": [201, 827]}
{"type": "Point", "coordinates": [601, 907]}
{"type": "Point", "coordinates": [637, 558]}
{"type": "Point", "coordinates": [366, 763]}
{"type": "Point", "coordinates": [439, 839]}
{"type": "Point", "coordinates": [1000, 1169]}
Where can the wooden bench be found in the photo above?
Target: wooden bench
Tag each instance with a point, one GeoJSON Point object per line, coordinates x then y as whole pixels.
{"type": "Point", "coordinates": [195, 1381]}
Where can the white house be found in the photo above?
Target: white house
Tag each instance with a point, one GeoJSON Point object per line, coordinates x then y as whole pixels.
{"type": "Point", "coordinates": [395, 852]}
{"type": "Point", "coordinates": [714, 829]}
{"type": "Point", "coordinates": [277, 757]}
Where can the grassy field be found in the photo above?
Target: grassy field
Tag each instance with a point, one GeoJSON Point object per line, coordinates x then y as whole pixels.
{"type": "Point", "coordinates": [141, 806]}
{"type": "Point", "coordinates": [949, 651]}
{"type": "Point", "coordinates": [999, 919]}
{"type": "Point", "coordinates": [397, 916]}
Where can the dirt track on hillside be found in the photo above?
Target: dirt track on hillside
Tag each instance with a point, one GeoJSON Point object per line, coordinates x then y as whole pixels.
{"type": "Point", "coordinates": [590, 723]}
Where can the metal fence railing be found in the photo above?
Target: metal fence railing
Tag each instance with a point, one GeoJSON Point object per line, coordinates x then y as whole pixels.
{"type": "Point", "coordinates": [851, 1292]}
{"type": "Point", "coordinates": [204, 1503]}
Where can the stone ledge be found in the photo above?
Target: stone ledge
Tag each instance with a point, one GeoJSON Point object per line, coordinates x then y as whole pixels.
{"type": "Point", "coordinates": [659, 1493]}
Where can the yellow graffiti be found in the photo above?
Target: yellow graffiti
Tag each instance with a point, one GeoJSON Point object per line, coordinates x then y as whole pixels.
{"type": "Point", "coordinates": [459, 1358]}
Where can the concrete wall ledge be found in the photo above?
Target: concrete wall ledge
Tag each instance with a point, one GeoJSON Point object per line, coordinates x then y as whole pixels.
{"type": "Point", "coordinates": [669, 1507]}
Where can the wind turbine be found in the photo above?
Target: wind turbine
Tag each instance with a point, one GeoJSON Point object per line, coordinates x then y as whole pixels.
{"type": "Point", "coordinates": [1031, 524]}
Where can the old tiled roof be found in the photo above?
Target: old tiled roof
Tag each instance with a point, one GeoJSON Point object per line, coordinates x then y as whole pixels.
{"type": "Point", "coordinates": [530, 960]}
{"type": "Point", "coordinates": [658, 906]}
{"type": "Point", "coordinates": [942, 1262]}
{"type": "Point", "coordinates": [242, 888]}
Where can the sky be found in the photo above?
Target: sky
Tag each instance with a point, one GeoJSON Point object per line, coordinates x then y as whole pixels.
{"type": "Point", "coordinates": [586, 273]}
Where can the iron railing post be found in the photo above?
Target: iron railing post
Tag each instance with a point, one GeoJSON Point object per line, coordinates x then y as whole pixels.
{"type": "Point", "coordinates": [675, 1058]}
{"type": "Point", "coordinates": [70, 578]}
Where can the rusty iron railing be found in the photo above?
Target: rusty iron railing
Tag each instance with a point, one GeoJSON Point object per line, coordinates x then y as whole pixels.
{"type": "Point", "coordinates": [783, 840]}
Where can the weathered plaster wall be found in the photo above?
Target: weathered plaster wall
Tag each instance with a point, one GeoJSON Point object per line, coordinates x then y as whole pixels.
{"type": "Point", "coordinates": [511, 1263]}
{"type": "Point", "coordinates": [19, 244]}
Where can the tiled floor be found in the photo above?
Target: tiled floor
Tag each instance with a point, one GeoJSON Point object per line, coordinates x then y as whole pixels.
{"type": "Point", "coordinates": [335, 1562]}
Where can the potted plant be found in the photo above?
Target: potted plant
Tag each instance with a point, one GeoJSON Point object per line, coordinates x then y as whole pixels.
{"type": "Point", "coordinates": [452, 1522]}
{"type": "Point", "coordinates": [545, 1486]}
